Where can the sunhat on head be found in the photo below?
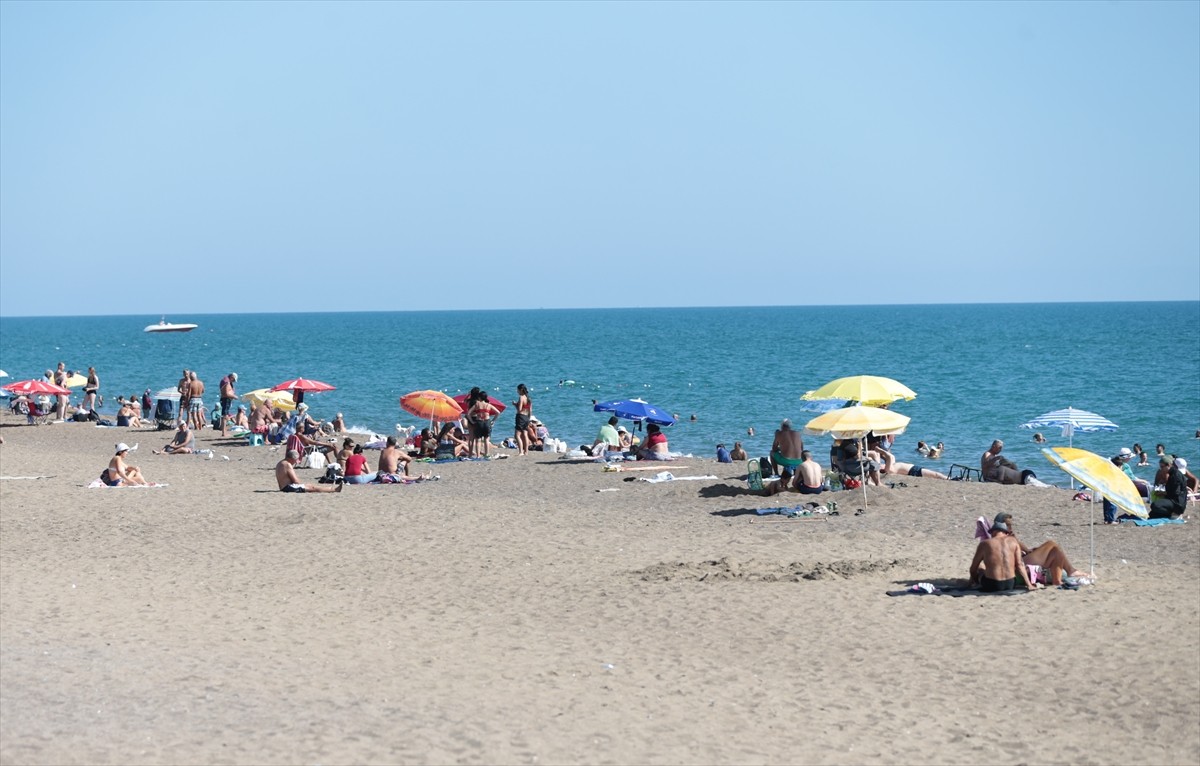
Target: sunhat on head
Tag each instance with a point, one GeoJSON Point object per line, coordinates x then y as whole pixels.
{"type": "Point", "coordinates": [122, 447]}
{"type": "Point", "coordinates": [233, 376]}
{"type": "Point", "coordinates": [1124, 452]}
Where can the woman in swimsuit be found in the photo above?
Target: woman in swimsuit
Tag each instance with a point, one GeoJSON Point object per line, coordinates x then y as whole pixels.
{"type": "Point", "coordinates": [91, 389]}
{"type": "Point", "coordinates": [524, 407]}
{"type": "Point", "coordinates": [118, 474]}
{"type": "Point", "coordinates": [480, 415]}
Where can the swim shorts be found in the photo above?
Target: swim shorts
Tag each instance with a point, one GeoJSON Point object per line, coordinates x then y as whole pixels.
{"type": "Point", "coordinates": [786, 462]}
{"type": "Point", "coordinates": [481, 429]}
{"type": "Point", "coordinates": [807, 490]}
{"type": "Point", "coordinates": [522, 421]}
{"type": "Point", "coordinates": [988, 585]}
{"type": "Point", "coordinates": [196, 405]}
{"type": "Point", "coordinates": [293, 488]}
{"type": "Point", "coordinates": [226, 405]}
{"type": "Point", "coordinates": [915, 471]}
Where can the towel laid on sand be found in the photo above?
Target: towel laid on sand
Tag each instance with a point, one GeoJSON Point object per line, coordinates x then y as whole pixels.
{"type": "Point", "coordinates": [668, 476]}
{"type": "Point", "coordinates": [97, 484]}
{"type": "Point", "coordinates": [1152, 522]}
{"type": "Point", "coordinates": [927, 589]}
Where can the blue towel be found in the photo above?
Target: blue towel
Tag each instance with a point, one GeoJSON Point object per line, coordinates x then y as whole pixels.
{"type": "Point", "coordinates": [1152, 522]}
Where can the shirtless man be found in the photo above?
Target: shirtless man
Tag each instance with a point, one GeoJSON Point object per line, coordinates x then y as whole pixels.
{"type": "Point", "coordinates": [737, 453]}
{"type": "Point", "coordinates": [184, 387]}
{"type": "Point", "coordinates": [786, 451]}
{"type": "Point", "coordinates": [288, 481]}
{"type": "Point", "coordinates": [1000, 470]}
{"type": "Point", "coordinates": [262, 418]}
{"type": "Point", "coordinates": [898, 468]}
{"type": "Point", "coordinates": [997, 564]}
{"type": "Point", "coordinates": [339, 424]}
{"type": "Point", "coordinates": [1048, 559]}
{"type": "Point", "coordinates": [228, 395]}
{"type": "Point", "coordinates": [810, 477]}
{"type": "Point", "coordinates": [391, 458]}
{"type": "Point", "coordinates": [119, 474]}
{"type": "Point", "coordinates": [183, 444]}
{"type": "Point", "coordinates": [196, 401]}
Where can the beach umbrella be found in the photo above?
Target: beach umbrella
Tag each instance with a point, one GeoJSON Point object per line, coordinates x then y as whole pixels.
{"type": "Point", "coordinates": [36, 386]}
{"type": "Point", "coordinates": [637, 409]}
{"type": "Point", "coordinates": [300, 386]}
{"type": "Point", "coordinates": [1102, 476]}
{"type": "Point", "coordinates": [434, 405]}
{"type": "Point", "coordinates": [167, 393]}
{"type": "Point", "coordinates": [855, 423]}
{"type": "Point", "coordinates": [3, 374]}
{"type": "Point", "coordinates": [1071, 420]}
{"type": "Point", "coordinates": [864, 389]}
{"type": "Point", "coordinates": [75, 380]}
{"type": "Point", "coordinates": [280, 399]}
{"type": "Point", "coordinates": [462, 402]}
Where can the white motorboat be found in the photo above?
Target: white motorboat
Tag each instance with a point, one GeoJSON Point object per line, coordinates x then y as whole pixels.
{"type": "Point", "coordinates": [164, 326]}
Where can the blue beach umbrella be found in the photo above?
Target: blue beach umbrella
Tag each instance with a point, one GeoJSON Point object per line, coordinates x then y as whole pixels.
{"type": "Point", "coordinates": [636, 409]}
{"type": "Point", "coordinates": [1071, 420]}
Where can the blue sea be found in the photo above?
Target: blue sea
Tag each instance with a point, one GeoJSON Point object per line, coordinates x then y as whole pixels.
{"type": "Point", "coordinates": [979, 370]}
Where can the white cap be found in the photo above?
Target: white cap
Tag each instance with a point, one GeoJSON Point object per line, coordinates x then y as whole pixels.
{"type": "Point", "coordinates": [1181, 464]}
{"type": "Point", "coordinates": [122, 447]}
{"type": "Point", "coordinates": [1125, 452]}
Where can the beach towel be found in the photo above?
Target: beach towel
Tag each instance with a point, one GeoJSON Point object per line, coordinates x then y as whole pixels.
{"type": "Point", "coordinates": [97, 484]}
{"type": "Point", "coordinates": [1151, 522]}
{"type": "Point", "coordinates": [668, 476]}
{"type": "Point", "coordinates": [983, 529]}
{"type": "Point", "coordinates": [954, 591]}
{"type": "Point", "coordinates": [807, 509]}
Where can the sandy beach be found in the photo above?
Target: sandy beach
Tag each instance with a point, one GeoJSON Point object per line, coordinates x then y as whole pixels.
{"type": "Point", "coordinates": [538, 610]}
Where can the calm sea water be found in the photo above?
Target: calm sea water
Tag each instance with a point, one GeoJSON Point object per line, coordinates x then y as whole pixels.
{"type": "Point", "coordinates": [979, 370]}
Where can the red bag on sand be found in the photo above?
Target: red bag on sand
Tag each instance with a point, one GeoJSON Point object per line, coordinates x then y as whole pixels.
{"type": "Point", "coordinates": [851, 483]}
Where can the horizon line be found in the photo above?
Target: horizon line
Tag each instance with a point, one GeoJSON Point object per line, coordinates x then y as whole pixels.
{"type": "Point", "coordinates": [610, 308]}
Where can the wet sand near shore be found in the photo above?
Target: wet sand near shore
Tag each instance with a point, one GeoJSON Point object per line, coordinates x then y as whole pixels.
{"type": "Point", "coordinates": [512, 612]}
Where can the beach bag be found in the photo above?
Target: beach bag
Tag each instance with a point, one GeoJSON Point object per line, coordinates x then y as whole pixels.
{"type": "Point", "coordinates": [851, 483]}
{"type": "Point", "coordinates": [313, 460]}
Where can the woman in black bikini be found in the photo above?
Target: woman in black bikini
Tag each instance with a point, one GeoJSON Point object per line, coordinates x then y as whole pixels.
{"type": "Point", "coordinates": [118, 474]}
{"type": "Point", "coordinates": [524, 407]}
{"type": "Point", "coordinates": [90, 390]}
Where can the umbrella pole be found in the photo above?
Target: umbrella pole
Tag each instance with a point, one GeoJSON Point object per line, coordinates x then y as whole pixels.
{"type": "Point", "coordinates": [862, 470]}
{"type": "Point", "coordinates": [1092, 532]}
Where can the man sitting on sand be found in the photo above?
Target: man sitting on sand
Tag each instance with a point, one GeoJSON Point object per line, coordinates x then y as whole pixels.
{"type": "Point", "coordinates": [118, 474]}
{"type": "Point", "coordinates": [1046, 563]}
{"type": "Point", "coordinates": [285, 476]}
{"type": "Point", "coordinates": [997, 563]}
{"type": "Point", "coordinates": [738, 452]}
{"type": "Point", "coordinates": [184, 442]}
{"type": "Point", "coordinates": [390, 461]}
{"type": "Point", "coordinates": [262, 418]}
{"type": "Point", "coordinates": [810, 477]}
{"type": "Point", "coordinates": [1000, 470]}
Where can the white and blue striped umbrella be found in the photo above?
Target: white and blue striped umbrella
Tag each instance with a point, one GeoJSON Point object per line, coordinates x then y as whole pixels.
{"type": "Point", "coordinates": [1071, 420]}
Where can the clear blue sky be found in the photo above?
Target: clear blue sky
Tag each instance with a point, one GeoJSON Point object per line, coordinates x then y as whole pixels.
{"type": "Point", "coordinates": [207, 157]}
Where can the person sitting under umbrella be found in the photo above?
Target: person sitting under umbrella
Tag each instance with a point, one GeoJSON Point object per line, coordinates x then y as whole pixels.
{"type": "Point", "coordinates": [656, 447]}
{"type": "Point", "coordinates": [1172, 502]}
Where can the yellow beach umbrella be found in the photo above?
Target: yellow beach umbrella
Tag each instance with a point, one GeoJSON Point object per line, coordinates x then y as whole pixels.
{"type": "Point", "coordinates": [281, 399]}
{"type": "Point", "coordinates": [864, 389]}
{"type": "Point", "coordinates": [75, 381]}
{"type": "Point", "coordinates": [1102, 476]}
{"type": "Point", "coordinates": [857, 422]}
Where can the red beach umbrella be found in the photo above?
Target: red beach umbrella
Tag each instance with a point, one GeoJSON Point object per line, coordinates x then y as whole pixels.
{"type": "Point", "coordinates": [36, 386]}
{"type": "Point", "coordinates": [301, 386]}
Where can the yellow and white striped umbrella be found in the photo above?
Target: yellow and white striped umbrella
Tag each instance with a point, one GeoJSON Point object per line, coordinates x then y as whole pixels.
{"type": "Point", "coordinates": [1100, 475]}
